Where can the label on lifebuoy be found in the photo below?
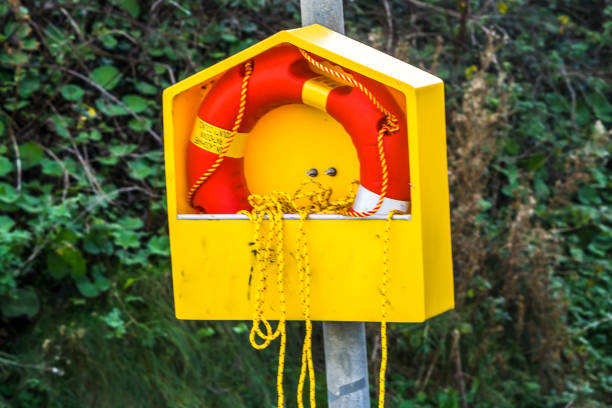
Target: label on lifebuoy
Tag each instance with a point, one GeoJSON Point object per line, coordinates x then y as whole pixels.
{"type": "Point", "coordinates": [316, 90]}
{"type": "Point", "coordinates": [212, 139]}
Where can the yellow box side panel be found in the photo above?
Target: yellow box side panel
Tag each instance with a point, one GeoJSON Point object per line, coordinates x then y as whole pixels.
{"type": "Point", "coordinates": [212, 263]}
{"type": "Point", "coordinates": [435, 211]}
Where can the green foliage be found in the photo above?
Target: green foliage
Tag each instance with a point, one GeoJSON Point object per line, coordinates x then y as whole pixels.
{"type": "Point", "coordinates": [84, 254]}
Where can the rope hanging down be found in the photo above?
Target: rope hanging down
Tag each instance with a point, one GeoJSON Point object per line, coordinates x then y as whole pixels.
{"type": "Point", "coordinates": [269, 248]}
{"type": "Point", "coordinates": [383, 307]}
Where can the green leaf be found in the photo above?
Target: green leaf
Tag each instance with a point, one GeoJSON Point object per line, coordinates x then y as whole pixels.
{"type": "Point", "coordinates": [24, 302]}
{"type": "Point", "coordinates": [535, 162]}
{"type": "Point", "coordinates": [131, 223]}
{"type": "Point", "coordinates": [8, 193]}
{"type": "Point", "coordinates": [135, 103]}
{"type": "Point", "coordinates": [583, 113]}
{"type": "Point", "coordinates": [106, 76]}
{"type": "Point", "coordinates": [6, 223]}
{"type": "Point", "coordinates": [557, 103]}
{"type": "Point", "coordinates": [61, 125]}
{"type": "Point", "coordinates": [51, 167]}
{"type": "Point", "coordinates": [30, 44]}
{"type": "Point", "coordinates": [484, 205]}
{"type": "Point", "coordinates": [512, 147]}
{"type": "Point", "coordinates": [95, 135]}
{"type": "Point", "coordinates": [28, 86]}
{"type": "Point", "coordinates": [108, 161]}
{"type": "Point", "coordinates": [140, 125]}
{"type": "Point", "coordinates": [98, 242]}
{"type": "Point", "coordinates": [86, 287]}
{"type": "Point", "coordinates": [100, 282]}
{"type": "Point", "coordinates": [29, 203]}
{"type": "Point", "coordinates": [122, 149]}
{"type": "Point", "coordinates": [31, 154]}
{"type": "Point", "coordinates": [111, 109]}
{"type": "Point", "coordinates": [14, 58]}
{"type": "Point", "coordinates": [108, 41]}
{"type": "Point", "coordinates": [72, 92]}
{"type": "Point", "coordinates": [130, 282]}
{"type": "Point", "coordinates": [146, 88]}
{"type": "Point", "coordinates": [66, 260]}
{"type": "Point", "coordinates": [12, 105]}
{"type": "Point", "coordinates": [229, 37]}
{"type": "Point", "coordinates": [602, 107]}
{"type": "Point", "coordinates": [1, 128]}
{"type": "Point", "coordinates": [588, 195]}
{"type": "Point", "coordinates": [67, 235]}
{"type": "Point", "coordinates": [126, 238]}
{"type": "Point", "coordinates": [74, 258]}
{"type": "Point", "coordinates": [131, 6]}
{"type": "Point", "coordinates": [159, 246]}
{"type": "Point", "coordinates": [56, 267]}
{"type": "Point", "coordinates": [114, 321]}
{"type": "Point", "coordinates": [205, 332]}
{"type": "Point", "coordinates": [240, 328]}
{"type": "Point", "coordinates": [6, 166]}
{"type": "Point", "coordinates": [140, 169]}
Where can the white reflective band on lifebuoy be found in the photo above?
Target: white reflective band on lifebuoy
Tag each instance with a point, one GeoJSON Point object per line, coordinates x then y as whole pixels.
{"type": "Point", "coordinates": [365, 200]}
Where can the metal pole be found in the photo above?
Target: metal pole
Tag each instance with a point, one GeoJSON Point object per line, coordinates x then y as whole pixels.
{"type": "Point", "coordinates": [328, 13]}
{"type": "Point", "coordinates": [345, 345]}
{"type": "Point", "coordinates": [346, 365]}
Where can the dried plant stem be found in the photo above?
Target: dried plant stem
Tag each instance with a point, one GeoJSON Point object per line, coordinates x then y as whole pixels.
{"type": "Point", "coordinates": [390, 33]}
{"type": "Point", "coordinates": [430, 369]}
{"type": "Point", "coordinates": [17, 156]}
{"type": "Point", "coordinates": [456, 356]}
{"type": "Point", "coordinates": [112, 98]}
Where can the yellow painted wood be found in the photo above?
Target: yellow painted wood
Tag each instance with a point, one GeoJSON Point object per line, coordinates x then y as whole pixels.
{"type": "Point", "coordinates": [211, 260]}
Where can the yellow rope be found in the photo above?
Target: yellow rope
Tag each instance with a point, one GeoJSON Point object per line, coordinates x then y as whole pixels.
{"type": "Point", "coordinates": [384, 302]}
{"type": "Point", "coordinates": [304, 275]}
{"type": "Point", "coordinates": [270, 252]}
{"type": "Point", "coordinates": [269, 249]}
{"type": "Point", "coordinates": [391, 125]}
{"type": "Point", "coordinates": [311, 197]}
{"type": "Point", "coordinates": [392, 119]}
{"type": "Point", "coordinates": [248, 70]}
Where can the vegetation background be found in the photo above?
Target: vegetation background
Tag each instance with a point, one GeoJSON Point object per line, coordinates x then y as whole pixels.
{"type": "Point", "coordinates": [86, 301]}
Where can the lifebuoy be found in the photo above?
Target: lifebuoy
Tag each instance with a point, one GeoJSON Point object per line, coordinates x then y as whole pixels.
{"type": "Point", "coordinates": [280, 76]}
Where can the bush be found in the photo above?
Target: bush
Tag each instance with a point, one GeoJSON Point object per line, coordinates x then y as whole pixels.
{"type": "Point", "coordinates": [84, 259]}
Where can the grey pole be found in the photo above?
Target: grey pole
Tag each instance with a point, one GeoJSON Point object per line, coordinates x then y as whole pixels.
{"type": "Point", "coordinates": [345, 345]}
{"type": "Point", "coordinates": [328, 13]}
{"type": "Point", "coordinates": [346, 365]}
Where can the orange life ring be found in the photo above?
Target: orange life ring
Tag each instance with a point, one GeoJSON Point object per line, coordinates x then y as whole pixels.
{"type": "Point", "coordinates": [283, 76]}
